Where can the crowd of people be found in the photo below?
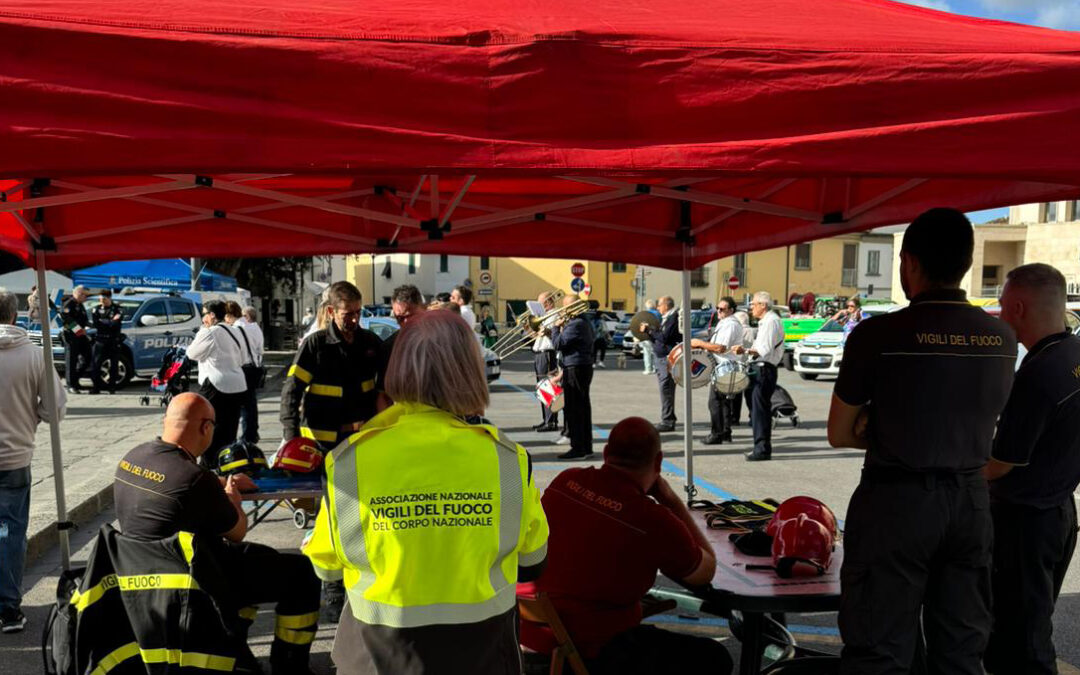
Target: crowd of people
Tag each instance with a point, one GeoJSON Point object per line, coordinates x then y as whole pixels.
{"type": "Point", "coordinates": [957, 538]}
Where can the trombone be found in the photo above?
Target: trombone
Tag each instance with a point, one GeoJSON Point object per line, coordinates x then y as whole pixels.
{"type": "Point", "coordinates": [528, 327]}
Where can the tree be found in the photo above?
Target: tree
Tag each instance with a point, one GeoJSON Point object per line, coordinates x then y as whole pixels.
{"type": "Point", "coordinates": [262, 276]}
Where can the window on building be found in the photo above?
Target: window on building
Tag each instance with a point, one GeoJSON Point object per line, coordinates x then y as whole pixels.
{"type": "Point", "coordinates": [618, 305]}
{"type": "Point", "coordinates": [1074, 211]}
{"type": "Point", "coordinates": [740, 270]}
{"type": "Point", "coordinates": [618, 267]}
{"type": "Point", "coordinates": [873, 263]}
{"type": "Point", "coordinates": [697, 303]}
{"type": "Point", "coordinates": [849, 273]}
{"type": "Point", "coordinates": [412, 263]}
{"type": "Point", "coordinates": [700, 277]}
{"type": "Point", "coordinates": [991, 276]}
{"type": "Point", "coordinates": [1050, 212]}
{"type": "Point", "coordinates": [444, 264]}
{"type": "Point", "coordinates": [802, 257]}
{"type": "Point", "coordinates": [485, 262]}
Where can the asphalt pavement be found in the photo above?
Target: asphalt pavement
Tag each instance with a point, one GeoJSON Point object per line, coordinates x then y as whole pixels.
{"type": "Point", "coordinates": [99, 430]}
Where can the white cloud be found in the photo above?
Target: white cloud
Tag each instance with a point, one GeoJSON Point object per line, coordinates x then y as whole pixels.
{"type": "Point", "coordinates": [943, 5]}
{"type": "Point", "coordinates": [1060, 15]}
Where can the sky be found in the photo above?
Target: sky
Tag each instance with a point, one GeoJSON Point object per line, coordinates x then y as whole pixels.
{"type": "Point", "coordinates": [1061, 14]}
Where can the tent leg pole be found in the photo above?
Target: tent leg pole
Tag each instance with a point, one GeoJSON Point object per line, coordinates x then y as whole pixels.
{"type": "Point", "coordinates": [50, 403]}
{"type": "Point", "coordinates": [688, 398]}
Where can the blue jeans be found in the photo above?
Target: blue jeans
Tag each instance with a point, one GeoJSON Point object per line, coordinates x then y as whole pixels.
{"type": "Point", "coordinates": [14, 516]}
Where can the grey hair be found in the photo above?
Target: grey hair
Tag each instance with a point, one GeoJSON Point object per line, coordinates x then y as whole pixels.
{"type": "Point", "coordinates": [650, 304]}
{"type": "Point", "coordinates": [78, 288]}
{"type": "Point", "coordinates": [436, 360]}
{"type": "Point", "coordinates": [667, 300]}
{"type": "Point", "coordinates": [1047, 283]}
{"type": "Point", "coordinates": [9, 307]}
{"type": "Point", "coordinates": [252, 315]}
{"type": "Point", "coordinates": [764, 297]}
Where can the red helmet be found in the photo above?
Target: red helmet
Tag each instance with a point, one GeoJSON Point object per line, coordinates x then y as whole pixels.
{"type": "Point", "coordinates": [813, 508]}
{"type": "Point", "coordinates": [801, 547]}
{"type": "Point", "coordinates": [300, 455]}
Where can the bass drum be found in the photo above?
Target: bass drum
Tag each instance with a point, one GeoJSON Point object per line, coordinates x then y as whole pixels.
{"type": "Point", "coordinates": [730, 377]}
{"type": "Point", "coordinates": [701, 367]}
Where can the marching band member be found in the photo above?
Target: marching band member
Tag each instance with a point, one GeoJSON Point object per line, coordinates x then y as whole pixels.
{"type": "Point", "coordinates": [727, 334]}
{"type": "Point", "coordinates": [664, 340]}
{"type": "Point", "coordinates": [574, 337]}
{"type": "Point", "coordinates": [769, 348]}
{"type": "Point", "coordinates": [544, 364]}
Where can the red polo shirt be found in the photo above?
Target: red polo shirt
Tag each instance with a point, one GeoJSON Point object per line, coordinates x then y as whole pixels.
{"type": "Point", "coordinates": [607, 540]}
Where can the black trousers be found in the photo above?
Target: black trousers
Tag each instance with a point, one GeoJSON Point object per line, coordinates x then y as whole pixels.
{"type": "Point", "coordinates": [721, 412]}
{"type": "Point", "coordinates": [545, 363]}
{"type": "Point", "coordinates": [257, 575]}
{"type": "Point", "coordinates": [646, 650]}
{"type": "Point", "coordinates": [916, 543]}
{"type": "Point", "coordinates": [578, 411]}
{"type": "Point", "coordinates": [249, 417]}
{"type": "Point", "coordinates": [106, 351]}
{"type": "Point", "coordinates": [77, 358]}
{"type": "Point", "coordinates": [227, 411]}
{"type": "Point", "coordinates": [667, 390]}
{"type": "Point", "coordinates": [760, 392]}
{"type": "Point", "coordinates": [1032, 551]}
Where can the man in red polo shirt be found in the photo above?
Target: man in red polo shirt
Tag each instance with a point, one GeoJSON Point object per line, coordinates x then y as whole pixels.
{"type": "Point", "coordinates": [612, 529]}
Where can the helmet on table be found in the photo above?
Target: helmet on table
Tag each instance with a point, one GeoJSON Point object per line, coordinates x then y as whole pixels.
{"type": "Point", "coordinates": [300, 455]}
{"type": "Point", "coordinates": [240, 457]}
{"type": "Point", "coordinates": [814, 509]}
{"type": "Point", "coordinates": [801, 547]}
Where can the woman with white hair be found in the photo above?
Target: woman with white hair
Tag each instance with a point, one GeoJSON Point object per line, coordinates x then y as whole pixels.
{"type": "Point", "coordinates": [768, 350]}
{"type": "Point", "coordinates": [429, 520]}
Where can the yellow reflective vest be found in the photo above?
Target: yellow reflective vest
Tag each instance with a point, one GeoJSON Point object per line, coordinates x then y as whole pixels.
{"type": "Point", "coordinates": [427, 518]}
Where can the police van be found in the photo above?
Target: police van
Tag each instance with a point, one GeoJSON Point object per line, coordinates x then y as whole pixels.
{"type": "Point", "coordinates": [152, 323]}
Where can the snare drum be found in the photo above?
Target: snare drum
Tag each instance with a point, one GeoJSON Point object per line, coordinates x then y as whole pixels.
{"type": "Point", "coordinates": [701, 367]}
{"type": "Point", "coordinates": [730, 377]}
{"type": "Point", "coordinates": [550, 394]}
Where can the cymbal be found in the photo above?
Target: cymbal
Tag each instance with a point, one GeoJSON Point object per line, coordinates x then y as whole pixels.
{"type": "Point", "coordinates": [644, 316]}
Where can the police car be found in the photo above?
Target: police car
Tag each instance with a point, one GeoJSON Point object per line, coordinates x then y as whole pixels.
{"type": "Point", "coordinates": [152, 323]}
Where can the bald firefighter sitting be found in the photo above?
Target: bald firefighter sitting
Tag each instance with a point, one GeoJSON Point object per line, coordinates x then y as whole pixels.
{"type": "Point", "coordinates": [160, 490]}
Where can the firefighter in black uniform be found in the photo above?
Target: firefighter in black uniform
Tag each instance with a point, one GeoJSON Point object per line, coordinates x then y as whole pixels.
{"type": "Point", "coordinates": [920, 389]}
{"type": "Point", "coordinates": [76, 342]}
{"type": "Point", "coordinates": [330, 389]}
{"type": "Point", "coordinates": [1034, 471]}
{"type": "Point", "coordinates": [107, 320]}
{"type": "Point", "coordinates": [160, 490]}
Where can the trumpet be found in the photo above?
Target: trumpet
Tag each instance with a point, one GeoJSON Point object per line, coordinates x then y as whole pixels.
{"type": "Point", "coordinates": [528, 327]}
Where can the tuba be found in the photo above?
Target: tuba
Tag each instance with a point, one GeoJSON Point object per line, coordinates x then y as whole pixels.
{"type": "Point", "coordinates": [529, 326]}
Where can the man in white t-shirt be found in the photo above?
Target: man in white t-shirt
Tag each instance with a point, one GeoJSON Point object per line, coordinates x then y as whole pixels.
{"type": "Point", "coordinates": [727, 333]}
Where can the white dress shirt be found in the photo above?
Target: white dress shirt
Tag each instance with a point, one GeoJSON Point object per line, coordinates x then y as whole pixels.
{"type": "Point", "coordinates": [469, 315]}
{"type": "Point", "coordinates": [769, 343]}
{"type": "Point", "coordinates": [729, 333]}
{"type": "Point", "coordinates": [220, 358]}
{"type": "Point", "coordinates": [254, 334]}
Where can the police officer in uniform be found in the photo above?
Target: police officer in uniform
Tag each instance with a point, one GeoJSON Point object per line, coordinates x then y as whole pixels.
{"type": "Point", "coordinates": [107, 320]}
{"type": "Point", "coordinates": [727, 334]}
{"type": "Point", "coordinates": [76, 342]}
{"type": "Point", "coordinates": [161, 490]}
{"type": "Point", "coordinates": [1034, 470]}
{"type": "Point", "coordinates": [920, 389]}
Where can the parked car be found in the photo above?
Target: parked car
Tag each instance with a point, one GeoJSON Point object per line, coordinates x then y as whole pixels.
{"type": "Point", "coordinates": [151, 324]}
{"type": "Point", "coordinates": [384, 328]}
{"type": "Point", "coordinates": [820, 353]}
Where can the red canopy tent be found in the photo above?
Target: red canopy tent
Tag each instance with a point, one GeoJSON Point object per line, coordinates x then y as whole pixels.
{"type": "Point", "coordinates": [666, 132]}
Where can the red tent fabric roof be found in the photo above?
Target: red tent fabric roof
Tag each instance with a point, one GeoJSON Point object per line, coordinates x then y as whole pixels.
{"type": "Point", "coordinates": [608, 130]}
